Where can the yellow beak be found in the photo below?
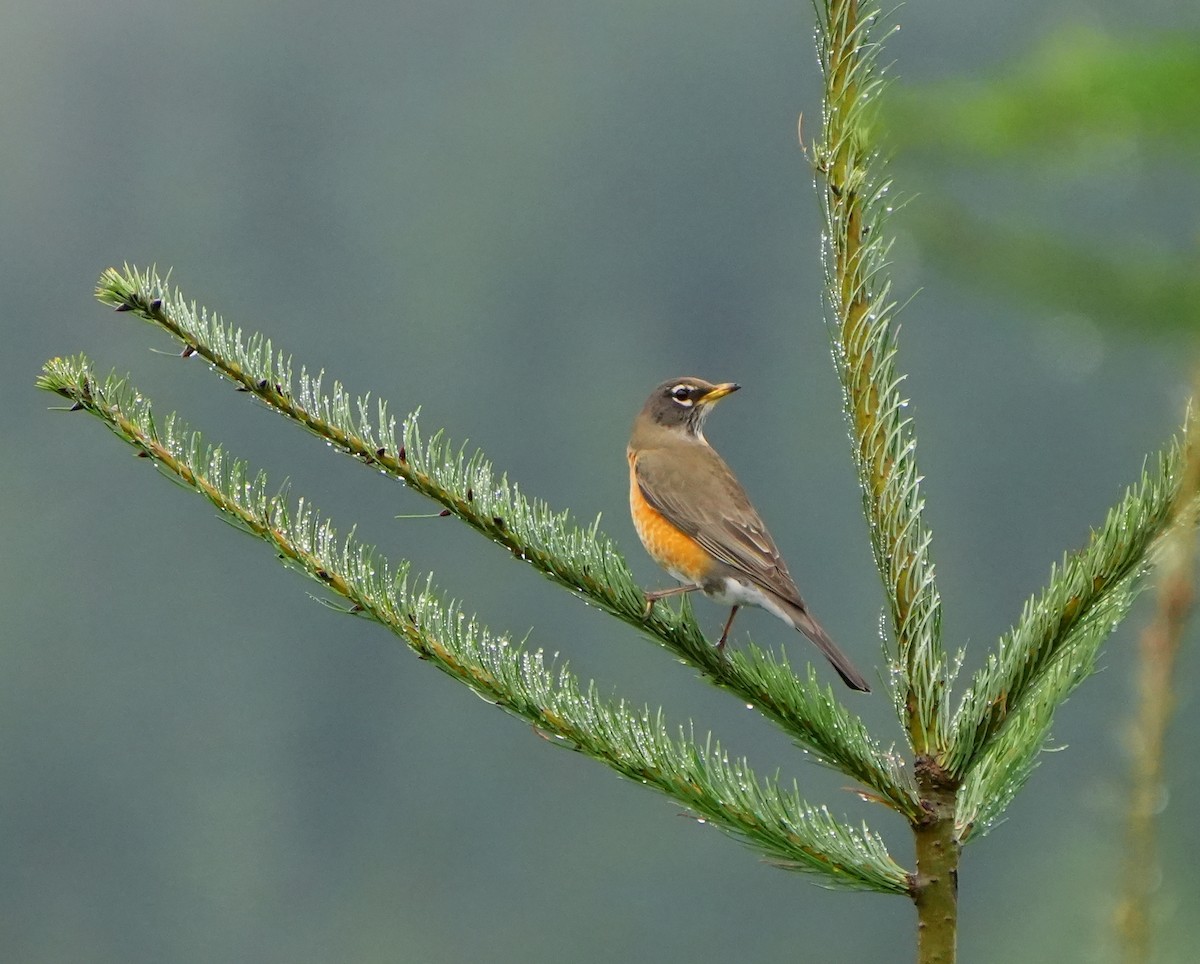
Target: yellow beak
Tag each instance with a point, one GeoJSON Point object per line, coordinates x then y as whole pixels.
{"type": "Point", "coordinates": [717, 392]}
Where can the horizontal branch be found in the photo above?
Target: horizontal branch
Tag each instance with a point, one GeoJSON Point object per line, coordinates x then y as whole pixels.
{"type": "Point", "coordinates": [637, 744]}
{"type": "Point", "coordinates": [584, 560]}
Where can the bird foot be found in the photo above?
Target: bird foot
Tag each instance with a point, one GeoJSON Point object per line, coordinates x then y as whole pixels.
{"type": "Point", "coordinates": [654, 595]}
{"type": "Point", "coordinates": [725, 632]}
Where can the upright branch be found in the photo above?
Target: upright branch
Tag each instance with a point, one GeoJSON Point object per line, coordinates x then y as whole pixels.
{"type": "Point", "coordinates": [855, 203]}
{"type": "Point", "coordinates": [864, 331]}
{"type": "Point", "coordinates": [1159, 647]}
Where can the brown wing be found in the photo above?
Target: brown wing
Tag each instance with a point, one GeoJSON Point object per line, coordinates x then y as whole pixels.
{"type": "Point", "coordinates": [696, 492]}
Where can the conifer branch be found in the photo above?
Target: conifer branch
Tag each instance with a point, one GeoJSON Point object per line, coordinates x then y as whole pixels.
{"type": "Point", "coordinates": [1011, 755]}
{"type": "Point", "coordinates": [1053, 646]}
{"type": "Point", "coordinates": [856, 206]}
{"type": "Point", "coordinates": [584, 560]}
{"type": "Point", "coordinates": [636, 744]}
{"type": "Point", "coordinates": [862, 312]}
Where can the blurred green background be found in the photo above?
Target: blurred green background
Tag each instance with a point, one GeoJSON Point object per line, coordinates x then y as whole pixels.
{"type": "Point", "coordinates": [520, 217]}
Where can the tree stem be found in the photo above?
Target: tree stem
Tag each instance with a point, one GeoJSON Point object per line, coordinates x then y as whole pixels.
{"type": "Point", "coordinates": [1160, 642]}
{"type": "Point", "coordinates": [934, 886]}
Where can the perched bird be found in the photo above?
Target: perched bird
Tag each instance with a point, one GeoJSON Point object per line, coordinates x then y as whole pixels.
{"type": "Point", "coordinates": [695, 520]}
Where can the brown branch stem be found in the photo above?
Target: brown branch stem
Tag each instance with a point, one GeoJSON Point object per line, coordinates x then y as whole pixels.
{"type": "Point", "coordinates": [1157, 652]}
{"type": "Point", "coordinates": [934, 887]}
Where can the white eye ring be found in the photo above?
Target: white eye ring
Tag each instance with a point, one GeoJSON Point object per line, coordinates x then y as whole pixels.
{"type": "Point", "coordinates": [681, 394]}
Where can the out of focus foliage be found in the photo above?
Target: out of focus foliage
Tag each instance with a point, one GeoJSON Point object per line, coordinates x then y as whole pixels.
{"type": "Point", "coordinates": [1084, 108]}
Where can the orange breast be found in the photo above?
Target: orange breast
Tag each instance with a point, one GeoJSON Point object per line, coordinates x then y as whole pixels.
{"type": "Point", "coordinates": [675, 551]}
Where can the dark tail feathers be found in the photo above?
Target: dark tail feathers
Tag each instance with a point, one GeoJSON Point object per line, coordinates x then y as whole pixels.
{"type": "Point", "coordinates": [812, 629]}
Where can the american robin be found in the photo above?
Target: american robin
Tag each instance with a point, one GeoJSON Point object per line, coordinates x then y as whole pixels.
{"type": "Point", "coordinates": [695, 520]}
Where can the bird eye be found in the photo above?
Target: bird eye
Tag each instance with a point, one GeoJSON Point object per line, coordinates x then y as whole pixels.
{"type": "Point", "coordinates": [681, 393]}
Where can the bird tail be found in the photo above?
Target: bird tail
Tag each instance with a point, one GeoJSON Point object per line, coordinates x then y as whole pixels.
{"type": "Point", "coordinates": [840, 662]}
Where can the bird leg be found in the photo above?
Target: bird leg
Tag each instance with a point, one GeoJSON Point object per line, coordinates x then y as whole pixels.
{"type": "Point", "coordinates": [725, 631]}
{"type": "Point", "coordinates": [655, 595]}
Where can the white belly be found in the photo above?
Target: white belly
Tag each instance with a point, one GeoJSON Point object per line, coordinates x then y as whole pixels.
{"type": "Point", "coordinates": [732, 592]}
